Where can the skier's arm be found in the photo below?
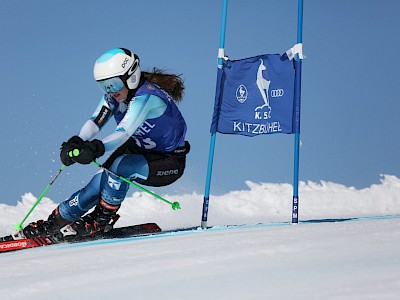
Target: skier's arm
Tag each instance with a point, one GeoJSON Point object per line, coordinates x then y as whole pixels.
{"type": "Point", "coordinates": [99, 118]}
{"type": "Point", "coordinates": [140, 109]}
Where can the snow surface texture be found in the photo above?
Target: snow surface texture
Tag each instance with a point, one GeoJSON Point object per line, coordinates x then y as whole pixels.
{"type": "Point", "coordinates": [273, 260]}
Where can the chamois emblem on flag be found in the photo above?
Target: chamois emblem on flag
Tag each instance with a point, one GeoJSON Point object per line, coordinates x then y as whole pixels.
{"type": "Point", "coordinates": [263, 85]}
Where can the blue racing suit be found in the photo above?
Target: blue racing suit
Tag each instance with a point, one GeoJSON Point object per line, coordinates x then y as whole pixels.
{"type": "Point", "coordinates": [154, 127]}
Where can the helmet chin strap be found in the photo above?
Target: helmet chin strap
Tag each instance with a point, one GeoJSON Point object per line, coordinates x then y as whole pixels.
{"type": "Point", "coordinates": [131, 94]}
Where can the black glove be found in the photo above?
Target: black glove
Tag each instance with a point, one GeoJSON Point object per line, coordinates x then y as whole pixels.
{"type": "Point", "coordinates": [89, 152]}
{"type": "Point", "coordinates": [73, 143]}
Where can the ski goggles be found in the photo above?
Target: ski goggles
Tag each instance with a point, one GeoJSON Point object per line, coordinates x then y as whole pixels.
{"type": "Point", "coordinates": [111, 85]}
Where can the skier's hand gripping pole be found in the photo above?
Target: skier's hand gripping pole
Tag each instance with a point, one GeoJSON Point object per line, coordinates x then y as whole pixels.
{"type": "Point", "coordinates": [174, 205]}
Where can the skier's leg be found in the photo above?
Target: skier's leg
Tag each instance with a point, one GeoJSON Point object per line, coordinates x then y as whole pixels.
{"type": "Point", "coordinates": [68, 211]}
{"type": "Point", "coordinates": [131, 166]}
{"type": "Point", "coordinates": [154, 169]}
{"type": "Point", "coordinates": [113, 192]}
{"type": "Point", "coordinates": [83, 200]}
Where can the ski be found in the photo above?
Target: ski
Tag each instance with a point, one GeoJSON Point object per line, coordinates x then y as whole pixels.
{"type": "Point", "coordinates": [14, 245]}
{"type": "Point", "coordinates": [8, 244]}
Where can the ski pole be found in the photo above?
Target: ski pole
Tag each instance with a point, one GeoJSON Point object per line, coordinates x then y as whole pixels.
{"type": "Point", "coordinates": [19, 226]}
{"type": "Point", "coordinates": [174, 205]}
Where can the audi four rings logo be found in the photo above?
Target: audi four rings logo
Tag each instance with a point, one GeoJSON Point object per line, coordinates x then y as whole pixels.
{"type": "Point", "coordinates": [277, 93]}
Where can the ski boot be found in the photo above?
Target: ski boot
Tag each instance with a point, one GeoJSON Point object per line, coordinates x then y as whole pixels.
{"type": "Point", "coordinates": [50, 227]}
{"type": "Point", "coordinates": [101, 219]}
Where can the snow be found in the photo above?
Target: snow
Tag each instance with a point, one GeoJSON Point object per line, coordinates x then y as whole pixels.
{"type": "Point", "coordinates": [266, 257]}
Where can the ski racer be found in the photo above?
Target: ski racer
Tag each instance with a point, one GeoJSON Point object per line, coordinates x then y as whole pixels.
{"type": "Point", "coordinates": [148, 145]}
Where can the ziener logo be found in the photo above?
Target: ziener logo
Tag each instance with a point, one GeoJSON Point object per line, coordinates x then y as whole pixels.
{"type": "Point", "coordinates": [166, 173]}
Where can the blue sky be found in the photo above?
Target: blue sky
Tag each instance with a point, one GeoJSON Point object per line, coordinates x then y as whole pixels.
{"type": "Point", "coordinates": [350, 86]}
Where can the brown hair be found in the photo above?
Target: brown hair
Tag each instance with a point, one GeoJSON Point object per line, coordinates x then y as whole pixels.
{"type": "Point", "coordinates": [171, 83]}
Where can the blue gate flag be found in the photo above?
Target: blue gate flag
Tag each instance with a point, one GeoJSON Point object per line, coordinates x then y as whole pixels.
{"type": "Point", "coordinates": [255, 96]}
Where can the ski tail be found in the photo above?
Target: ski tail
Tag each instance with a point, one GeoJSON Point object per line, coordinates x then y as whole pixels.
{"type": "Point", "coordinates": [8, 244]}
{"type": "Point", "coordinates": [14, 245]}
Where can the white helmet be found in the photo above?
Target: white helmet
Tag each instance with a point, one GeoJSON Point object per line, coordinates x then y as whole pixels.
{"type": "Point", "coordinates": [117, 68]}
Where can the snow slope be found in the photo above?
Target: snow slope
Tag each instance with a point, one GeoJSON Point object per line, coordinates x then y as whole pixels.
{"type": "Point", "coordinates": [356, 259]}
